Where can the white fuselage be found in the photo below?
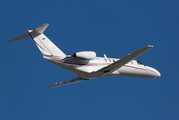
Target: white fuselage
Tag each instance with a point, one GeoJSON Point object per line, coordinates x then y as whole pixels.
{"type": "Point", "coordinates": [83, 67]}
{"type": "Point", "coordinates": [85, 64]}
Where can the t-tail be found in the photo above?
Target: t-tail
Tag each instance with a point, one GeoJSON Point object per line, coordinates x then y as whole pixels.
{"type": "Point", "coordinates": [47, 47]}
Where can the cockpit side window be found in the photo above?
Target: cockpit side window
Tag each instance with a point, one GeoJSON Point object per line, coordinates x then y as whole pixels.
{"type": "Point", "coordinates": [140, 63]}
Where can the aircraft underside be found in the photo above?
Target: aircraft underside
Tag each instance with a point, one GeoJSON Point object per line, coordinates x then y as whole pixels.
{"type": "Point", "coordinates": [83, 69]}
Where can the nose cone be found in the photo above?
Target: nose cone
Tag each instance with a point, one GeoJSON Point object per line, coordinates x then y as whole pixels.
{"type": "Point", "coordinates": [155, 73]}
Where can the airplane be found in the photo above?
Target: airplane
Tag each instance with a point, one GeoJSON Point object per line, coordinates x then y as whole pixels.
{"type": "Point", "coordinates": [86, 64]}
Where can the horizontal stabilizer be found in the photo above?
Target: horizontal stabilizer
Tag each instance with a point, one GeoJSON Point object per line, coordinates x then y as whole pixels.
{"type": "Point", "coordinates": [19, 37]}
{"type": "Point", "coordinates": [40, 29]}
{"type": "Point", "coordinates": [37, 31]}
{"type": "Point", "coordinates": [47, 47]}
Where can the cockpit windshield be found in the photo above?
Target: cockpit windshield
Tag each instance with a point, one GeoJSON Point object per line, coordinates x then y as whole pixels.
{"type": "Point", "coordinates": [140, 63]}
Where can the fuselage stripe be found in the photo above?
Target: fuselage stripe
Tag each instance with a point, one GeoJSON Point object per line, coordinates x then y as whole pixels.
{"type": "Point", "coordinates": [35, 41]}
{"type": "Point", "coordinates": [96, 64]}
{"type": "Point", "coordinates": [135, 67]}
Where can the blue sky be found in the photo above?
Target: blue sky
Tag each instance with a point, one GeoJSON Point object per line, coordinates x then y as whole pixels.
{"type": "Point", "coordinates": [114, 28]}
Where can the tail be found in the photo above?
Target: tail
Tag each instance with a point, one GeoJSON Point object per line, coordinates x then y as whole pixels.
{"type": "Point", "coordinates": [46, 47]}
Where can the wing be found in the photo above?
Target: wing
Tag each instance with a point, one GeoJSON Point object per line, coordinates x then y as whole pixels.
{"type": "Point", "coordinates": [67, 82]}
{"type": "Point", "coordinates": [108, 69]}
{"type": "Point", "coordinates": [114, 66]}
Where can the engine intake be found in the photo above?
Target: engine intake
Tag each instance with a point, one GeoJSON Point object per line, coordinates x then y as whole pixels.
{"type": "Point", "coordinates": [89, 55]}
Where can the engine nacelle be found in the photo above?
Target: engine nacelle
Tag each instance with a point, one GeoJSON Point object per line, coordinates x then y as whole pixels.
{"type": "Point", "coordinates": [89, 55]}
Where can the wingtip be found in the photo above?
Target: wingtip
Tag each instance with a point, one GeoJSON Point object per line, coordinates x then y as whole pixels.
{"type": "Point", "coordinates": [151, 46]}
{"type": "Point", "coordinates": [48, 87]}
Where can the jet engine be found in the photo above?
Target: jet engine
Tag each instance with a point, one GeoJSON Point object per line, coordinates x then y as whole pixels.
{"type": "Point", "coordinates": [89, 55]}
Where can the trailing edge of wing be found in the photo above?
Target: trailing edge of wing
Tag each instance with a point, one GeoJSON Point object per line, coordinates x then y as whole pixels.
{"type": "Point", "coordinates": [114, 66]}
{"type": "Point", "coordinates": [79, 79]}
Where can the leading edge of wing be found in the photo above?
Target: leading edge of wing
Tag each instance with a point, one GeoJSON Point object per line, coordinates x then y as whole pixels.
{"type": "Point", "coordinates": [79, 79]}
{"type": "Point", "coordinates": [114, 66]}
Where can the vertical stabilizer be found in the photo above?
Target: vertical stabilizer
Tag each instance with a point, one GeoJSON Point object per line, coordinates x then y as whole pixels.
{"type": "Point", "coordinates": [46, 46]}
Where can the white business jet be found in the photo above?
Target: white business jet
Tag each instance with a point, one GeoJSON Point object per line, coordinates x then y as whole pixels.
{"type": "Point", "coordinates": [85, 64]}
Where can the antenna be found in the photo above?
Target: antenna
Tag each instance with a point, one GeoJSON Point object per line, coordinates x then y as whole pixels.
{"type": "Point", "coordinates": [105, 56]}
